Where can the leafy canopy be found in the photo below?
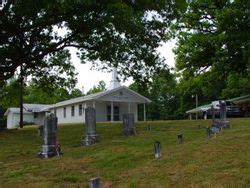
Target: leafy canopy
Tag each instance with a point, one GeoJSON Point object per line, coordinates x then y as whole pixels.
{"type": "Point", "coordinates": [110, 33]}
{"type": "Point", "coordinates": [213, 48]}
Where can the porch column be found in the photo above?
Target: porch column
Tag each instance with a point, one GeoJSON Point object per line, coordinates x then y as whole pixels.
{"type": "Point", "coordinates": [112, 111]}
{"type": "Point", "coordinates": [144, 107]}
{"type": "Point", "coordinates": [129, 108]}
{"type": "Point", "coordinates": [94, 104]}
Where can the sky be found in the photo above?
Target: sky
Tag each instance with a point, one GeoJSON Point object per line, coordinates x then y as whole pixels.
{"type": "Point", "coordinates": [88, 78]}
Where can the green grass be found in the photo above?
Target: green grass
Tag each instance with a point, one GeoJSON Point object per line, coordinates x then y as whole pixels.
{"type": "Point", "coordinates": [122, 161]}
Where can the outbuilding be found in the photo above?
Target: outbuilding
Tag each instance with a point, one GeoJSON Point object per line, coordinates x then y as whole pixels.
{"type": "Point", "coordinates": [32, 114]}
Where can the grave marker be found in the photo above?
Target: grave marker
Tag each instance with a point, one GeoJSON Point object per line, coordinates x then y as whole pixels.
{"type": "Point", "coordinates": [157, 146]}
{"type": "Point", "coordinates": [40, 130]}
{"type": "Point", "coordinates": [94, 182]}
{"type": "Point", "coordinates": [128, 124]}
{"type": "Point", "coordinates": [51, 147]}
{"type": "Point", "coordinates": [149, 127]}
{"type": "Point", "coordinates": [179, 138]}
{"type": "Point", "coordinates": [90, 123]}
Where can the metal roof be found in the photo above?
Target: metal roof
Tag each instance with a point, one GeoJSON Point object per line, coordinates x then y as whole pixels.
{"type": "Point", "coordinates": [15, 111]}
{"type": "Point", "coordinates": [245, 98]}
{"type": "Point", "coordinates": [28, 108]}
{"type": "Point", "coordinates": [199, 109]}
{"type": "Point", "coordinates": [237, 100]}
{"type": "Point", "coordinates": [36, 107]}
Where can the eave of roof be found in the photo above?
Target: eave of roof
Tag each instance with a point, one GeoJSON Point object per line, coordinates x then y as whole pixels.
{"type": "Point", "coordinates": [240, 99]}
{"type": "Point", "coordinates": [97, 96]}
{"type": "Point", "coordinates": [15, 110]}
{"type": "Point", "coordinates": [199, 109]}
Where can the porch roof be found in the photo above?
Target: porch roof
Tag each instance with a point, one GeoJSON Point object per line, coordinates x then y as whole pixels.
{"type": "Point", "coordinates": [98, 95]}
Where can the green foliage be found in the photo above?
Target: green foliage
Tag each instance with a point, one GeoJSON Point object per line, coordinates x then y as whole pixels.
{"type": "Point", "coordinates": [100, 87]}
{"type": "Point", "coordinates": [35, 93]}
{"type": "Point", "coordinates": [213, 49]}
{"type": "Point", "coordinates": [164, 95]}
{"type": "Point", "coordinates": [110, 32]}
{"type": "Point", "coordinates": [10, 94]}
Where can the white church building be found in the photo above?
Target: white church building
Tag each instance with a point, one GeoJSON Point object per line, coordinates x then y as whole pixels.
{"type": "Point", "coordinates": [110, 105]}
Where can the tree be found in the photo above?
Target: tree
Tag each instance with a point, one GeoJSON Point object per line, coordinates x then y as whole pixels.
{"type": "Point", "coordinates": [109, 31]}
{"type": "Point", "coordinates": [9, 94]}
{"type": "Point", "coordinates": [213, 48]}
{"type": "Point", "coordinates": [163, 93]}
{"type": "Point", "coordinates": [100, 87]}
{"type": "Point", "coordinates": [35, 93]}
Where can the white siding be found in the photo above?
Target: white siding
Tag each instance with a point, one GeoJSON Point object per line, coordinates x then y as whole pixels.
{"type": "Point", "coordinates": [40, 118]}
{"type": "Point", "coordinates": [101, 111]}
{"type": "Point", "coordinates": [14, 118]}
{"type": "Point", "coordinates": [9, 121]}
{"type": "Point", "coordinates": [69, 118]}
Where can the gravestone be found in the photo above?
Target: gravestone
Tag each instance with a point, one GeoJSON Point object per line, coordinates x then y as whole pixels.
{"type": "Point", "coordinates": [94, 182]}
{"type": "Point", "coordinates": [213, 114]}
{"type": "Point", "coordinates": [51, 147]}
{"type": "Point", "coordinates": [212, 131]}
{"type": "Point", "coordinates": [40, 130]}
{"type": "Point", "coordinates": [90, 125]}
{"type": "Point", "coordinates": [157, 146]}
{"type": "Point", "coordinates": [128, 124]}
{"type": "Point", "coordinates": [222, 122]}
{"type": "Point", "coordinates": [149, 127]}
{"type": "Point", "coordinates": [179, 138]}
{"type": "Point", "coordinates": [208, 131]}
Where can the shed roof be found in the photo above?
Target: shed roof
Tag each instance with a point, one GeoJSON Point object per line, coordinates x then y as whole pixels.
{"type": "Point", "coordinates": [36, 107]}
{"type": "Point", "coordinates": [28, 108]}
{"type": "Point", "coordinates": [15, 111]}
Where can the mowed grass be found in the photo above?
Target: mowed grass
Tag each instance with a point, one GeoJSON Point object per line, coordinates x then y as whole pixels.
{"type": "Point", "coordinates": [122, 161]}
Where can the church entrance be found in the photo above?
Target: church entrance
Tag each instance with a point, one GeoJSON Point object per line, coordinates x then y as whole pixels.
{"type": "Point", "coordinates": [116, 113]}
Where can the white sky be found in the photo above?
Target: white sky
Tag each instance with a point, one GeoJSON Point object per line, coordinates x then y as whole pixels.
{"type": "Point", "coordinates": [88, 78]}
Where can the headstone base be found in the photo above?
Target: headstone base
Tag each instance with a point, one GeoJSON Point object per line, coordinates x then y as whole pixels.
{"type": "Point", "coordinates": [129, 132]}
{"type": "Point", "coordinates": [158, 155]}
{"type": "Point", "coordinates": [91, 139]}
{"type": "Point", "coordinates": [221, 124]}
{"type": "Point", "coordinates": [224, 124]}
{"type": "Point", "coordinates": [48, 151]}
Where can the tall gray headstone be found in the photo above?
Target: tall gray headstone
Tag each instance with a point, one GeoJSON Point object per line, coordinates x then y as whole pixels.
{"type": "Point", "coordinates": [128, 124]}
{"type": "Point", "coordinates": [213, 114]}
{"type": "Point", "coordinates": [90, 124]}
{"type": "Point", "coordinates": [223, 122]}
{"type": "Point", "coordinates": [50, 147]}
{"type": "Point", "coordinates": [223, 110]}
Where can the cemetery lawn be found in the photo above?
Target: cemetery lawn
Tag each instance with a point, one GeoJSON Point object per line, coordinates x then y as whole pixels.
{"type": "Point", "coordinates": [122, 161]}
